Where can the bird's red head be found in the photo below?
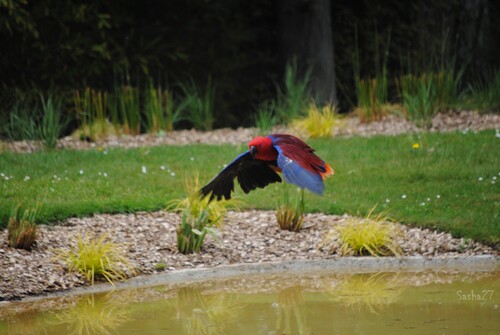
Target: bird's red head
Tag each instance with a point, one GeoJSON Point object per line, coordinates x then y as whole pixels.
{"type": "Point", "coordinates": [262, 148]}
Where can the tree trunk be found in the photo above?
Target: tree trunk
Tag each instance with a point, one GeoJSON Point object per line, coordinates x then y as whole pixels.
{"type": "Point", "coordinates": [306, 36]}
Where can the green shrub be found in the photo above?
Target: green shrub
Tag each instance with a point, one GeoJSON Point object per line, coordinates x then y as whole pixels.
{"type": "Point", "coordinates": [22, 229]}
{"type": "Point", "coordinates": [199, 216]}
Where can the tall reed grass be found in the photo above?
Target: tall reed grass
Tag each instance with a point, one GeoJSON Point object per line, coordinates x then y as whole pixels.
{"type": "Point", "coordinates": [372, 93]}
{"type": "Point", "coordinates": [295, 95]}
{"type": "Point", "coordinates": [265, 118]}
{"type": "Point", "coordinates": [52, 123]}
{"type": "Point", "coordinates": [483, 95]}
{"type": "Point", "coordinates": [199, 104]}
{"type": "Point", "coordinates": [160, 109]}
{"type": "Point", "coordinates": [93, 110]}
{"type": "Point", "coordinates": [428, 94]}
{"type": "Point", "coordinates": [128, 102]}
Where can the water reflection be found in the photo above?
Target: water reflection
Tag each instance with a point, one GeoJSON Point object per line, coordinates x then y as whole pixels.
{"type": "Point", "coordinates": [26, 323]}
{"type": "Point", "coordinates": [315, 303]}
{"type": "Point", "coordinates": [368, 292]}
{"type": "Point", "coordinates": [92, 316]}
{"type": "Point", "coordinates": [291, 314]}
{"type": "Point", "coordinates": [198, 313]}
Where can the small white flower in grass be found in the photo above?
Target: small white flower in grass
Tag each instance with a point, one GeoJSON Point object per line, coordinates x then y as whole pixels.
{"type": "Point", "coordinates": [99, 173]}
{"type": "Point", "coordinates": [162, 167]}
{"type": "Point", "coordinates": [192, 158]}
{"type": "Point", "coordinates": [428, 199]}
{"type": "Point", "coordinates": [172, 174]}
{"type": "Point", "coordinates": [422, 204]}
{"type": "Point", "coordinates": [494, 178]}
{"type": "Point", "coordinates": [81, 171]}
{"type": "Point", "coordinates": [26, 178]}
{"type": "Point", "coordinates": [144, 170]}
{"type": "Point", "coordinates": [105, 175]}
{"type": "Point", "coordinates": [387, 200]}
{"type": "Point", "coordinates": [438, 196]}
{"type": "Point", "coordinates": [480, 178]}
{"type": "Point", "coordinates": [1, 174]}
{"type": "Point", "coordinates": [403, 196]}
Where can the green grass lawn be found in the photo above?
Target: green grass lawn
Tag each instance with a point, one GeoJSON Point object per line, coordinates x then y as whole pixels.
{"type": "Point", "coordinates": [451, 182]}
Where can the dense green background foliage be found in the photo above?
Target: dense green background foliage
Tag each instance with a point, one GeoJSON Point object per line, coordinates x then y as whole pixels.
{"type": "Point", "coordinates": [51, 46]}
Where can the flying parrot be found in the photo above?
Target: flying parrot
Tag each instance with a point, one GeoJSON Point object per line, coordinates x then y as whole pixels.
{"type": "Point", "coordinates": [258, 166]}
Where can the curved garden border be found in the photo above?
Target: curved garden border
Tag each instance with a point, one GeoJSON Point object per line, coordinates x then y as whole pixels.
{"type": "Point", "coordinates": [486, 263]}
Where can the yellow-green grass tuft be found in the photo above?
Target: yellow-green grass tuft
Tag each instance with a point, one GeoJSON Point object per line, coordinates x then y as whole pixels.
{"type": "Point", "coordinates": [364, 236]}
{"type": "Point", "coordinates": [318, 122]}
{"type": "Point", "coordinates": [97, 258]}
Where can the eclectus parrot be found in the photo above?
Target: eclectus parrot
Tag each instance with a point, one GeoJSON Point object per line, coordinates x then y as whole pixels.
{"type": "Point", "coordinates": [267, 155]}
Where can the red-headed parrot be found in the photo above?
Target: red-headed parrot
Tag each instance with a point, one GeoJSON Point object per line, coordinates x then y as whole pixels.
{"type": "Point", "coordinates": [257, 167]}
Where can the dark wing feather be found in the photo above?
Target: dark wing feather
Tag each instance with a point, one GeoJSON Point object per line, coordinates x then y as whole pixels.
{"type": "Point", "coordinates": [251, 174]}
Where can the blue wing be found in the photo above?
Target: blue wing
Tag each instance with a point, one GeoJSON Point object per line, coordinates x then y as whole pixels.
{"type": "Point", "coordinates": [296, 174]}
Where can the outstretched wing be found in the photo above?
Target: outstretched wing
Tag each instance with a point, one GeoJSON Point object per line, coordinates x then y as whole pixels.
{"type": "Point", "coordinates": [294, 173]}
{"type": "Point", "coordinates": [251, 174]}
{"type": "Point", "coordinates": [299, 164]}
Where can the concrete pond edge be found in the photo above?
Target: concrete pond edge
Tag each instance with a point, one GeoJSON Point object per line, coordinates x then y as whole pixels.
{"type": "Point", "coordinates": [480, 263]}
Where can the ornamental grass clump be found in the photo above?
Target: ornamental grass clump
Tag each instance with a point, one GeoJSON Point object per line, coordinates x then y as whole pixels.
{"type": "Point", "coordinates": [290, 210]}
{"type": "Point", "coordinates": [97, 258]}
{"type": "Point", "coordinates": [364, 236]}
{"type": "Point", "coordinates": [199, 216]}
{"type": "Point", "coordinates": [318, 122]}
{"type": "Point", "coordinates": [22, 229]}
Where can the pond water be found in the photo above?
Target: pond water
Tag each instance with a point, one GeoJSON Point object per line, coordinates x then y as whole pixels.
{"type": "Point", "coordinates": [319, 303]}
